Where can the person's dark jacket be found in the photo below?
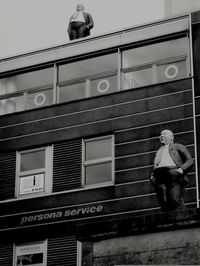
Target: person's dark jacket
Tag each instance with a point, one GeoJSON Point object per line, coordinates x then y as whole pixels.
{"type": "Point", "coordinates": [181, 157]}
{"type": "Point", "coordinates": [88, 20]}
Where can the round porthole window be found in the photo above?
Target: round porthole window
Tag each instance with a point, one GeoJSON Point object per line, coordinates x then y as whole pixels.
{"type": "Point", "coordinates": [103, 86]}
{"type": "Point", "coordinates": [40, 99]}
{"type": "Point", "coordinates": [171, 71]}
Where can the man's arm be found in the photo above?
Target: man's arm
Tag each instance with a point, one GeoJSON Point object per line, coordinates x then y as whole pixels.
{"type": "Point", "coordinates": [90, 25]}
{"type": "Point", "coordinates": [187, 164]}
{"type": "Point", "coordinates": [69, 25]}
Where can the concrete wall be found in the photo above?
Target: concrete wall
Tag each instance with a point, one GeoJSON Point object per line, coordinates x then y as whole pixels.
{"type": "Point", "coordinates": [173, 247]}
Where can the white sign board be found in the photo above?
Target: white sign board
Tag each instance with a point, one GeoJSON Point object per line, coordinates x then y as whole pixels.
{"type": "Point", "coordinates": [31, 184]}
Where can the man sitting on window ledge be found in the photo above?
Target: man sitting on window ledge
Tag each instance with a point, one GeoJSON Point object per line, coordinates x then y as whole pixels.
{"type": "Point", "coordinates": [169, 179]}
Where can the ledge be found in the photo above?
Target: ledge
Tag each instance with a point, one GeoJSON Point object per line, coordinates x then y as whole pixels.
{"type": "Point", "coordinates": [145, 223]}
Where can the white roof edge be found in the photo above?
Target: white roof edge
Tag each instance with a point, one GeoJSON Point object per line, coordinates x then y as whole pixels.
{"type": "Point", "coordinates": [86, 45]}
{"type": "Point", "coordinates": [57, 46]}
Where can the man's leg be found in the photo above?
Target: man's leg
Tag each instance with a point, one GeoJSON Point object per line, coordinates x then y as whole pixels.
{"type": "Point", "coordinates": [82, 31]}
{"type": "Point", "coordinates": [175, 196]}
{"type": "Point", "coordinates": [72, 34]}
{"type": "Point", "coordinates": [161, 192]}
{"type": "Point", "coordinates": [176, 191]}
{"type": "Point", "coordinates": [158, 182]}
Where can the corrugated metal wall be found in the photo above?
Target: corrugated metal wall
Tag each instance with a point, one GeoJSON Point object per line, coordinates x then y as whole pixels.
{"type": "Point", "coordinates": [67, 165]}
{"type": "Point", "coordinates": [6, 254]}
{"type": "Point", "coordinates": [136, 117]}
{"type": "Point", "coordinates": [168, 107]}
{"type": "Point", "coordinates": [62, 251]}
{"type": "Point", "coordinates": [7, 175]}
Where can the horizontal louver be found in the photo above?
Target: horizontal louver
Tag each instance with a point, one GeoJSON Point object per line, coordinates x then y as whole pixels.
{"type": "Point", "coordinates": [67, 165]}
{"type": "Point", "coordinates": [7, 175]}
{"type": "Point", "coordinates": [62, 251]}
{"type": "Point", "coordinates": [6, 254]}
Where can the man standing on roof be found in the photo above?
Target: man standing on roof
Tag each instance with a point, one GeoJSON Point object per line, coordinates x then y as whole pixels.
{"type": "Point", "coordinates": [80, 23]}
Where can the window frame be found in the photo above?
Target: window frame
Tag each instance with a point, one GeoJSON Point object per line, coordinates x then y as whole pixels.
{"type": "Point", "coordinates": [47, 170]}
{"type": "Point", "coordinates": [110, 159]}
{"type": "Point", "coordinates": [54, 87]}
{"type": "Point", "coordinates": [24, 92]}
{"type": "Point", "coordinates": [79, 253]}
{"type": "Point", "coordinates": [87, 79]}
{"type": "Point", "coordinates": [43, 244]}
{"type": "Point", "coordinates": [156, 63]}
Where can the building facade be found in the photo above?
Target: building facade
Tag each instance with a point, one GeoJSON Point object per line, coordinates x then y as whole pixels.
{"type": "Point", "coordinates": [79, 128]}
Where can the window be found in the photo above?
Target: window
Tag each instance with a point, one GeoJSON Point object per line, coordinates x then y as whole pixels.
{"type": "Point", "coordinates": [34, 172]}
{"type": "Point", "coordinates": [87, 78]}
{"type": "Point", "coordinates": [98, 161]}
{"type": "Point", "coordinates": [156, 63]}
{"type": "Point", "coordinates": [113, 70]}
{"type": "Point", "coordinates": [26, 91]}
{"type": "Point", "coordinates": [32, 254]}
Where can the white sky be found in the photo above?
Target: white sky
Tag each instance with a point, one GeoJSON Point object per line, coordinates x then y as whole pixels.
{"type": "Point", "coordinates": [27, 25]}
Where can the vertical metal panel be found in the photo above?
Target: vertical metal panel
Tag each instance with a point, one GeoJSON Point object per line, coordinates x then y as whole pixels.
{"type": "Point", "coordinates": [7, 175]}
{"type": "Point", "coordinates": [194, 113]}
{"type": "Point", "coordinates": [62, 251]}
{"type": "Point", "coordinates": [67, 165]}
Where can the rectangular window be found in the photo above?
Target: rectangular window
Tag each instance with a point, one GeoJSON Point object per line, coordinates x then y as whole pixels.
{"type": "Point", "coordinates": [156, 63]}
{"type": "Point", "coordinates": [98, 161]}
{"type": "Point", "coordinates": [34, 172]}
{"type": "Point", "coordinates": [32, 254]}
{"type": "Point", "coordinates": [29, 90]}
{"type": "Point", "coordinates": [88, 78]}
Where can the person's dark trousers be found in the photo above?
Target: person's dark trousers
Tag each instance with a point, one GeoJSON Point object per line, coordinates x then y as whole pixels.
{"type": "Point", "coordinates": [167, 183]}
{"type": "Point", "coordinates": [78, 30]}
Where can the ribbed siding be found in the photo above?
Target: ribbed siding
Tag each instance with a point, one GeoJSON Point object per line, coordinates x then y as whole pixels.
{"type": "Point", "coordinates": [136, 146]}
{"type": "Point", "coordinates": [67, 165]}
{"type": "Point", "coordinates": [62, 251]}
{"type": "Point", "coordinates": [6, 254]}
{"type": "Point", "coordinates": [7, 175]}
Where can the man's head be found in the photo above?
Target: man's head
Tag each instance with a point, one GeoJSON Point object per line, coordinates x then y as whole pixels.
{"type": "Point", "coordinates": [166, 136]}
{"type": "Point", "coordinates": [80, 7]}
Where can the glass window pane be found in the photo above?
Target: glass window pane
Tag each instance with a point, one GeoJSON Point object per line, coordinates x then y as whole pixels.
{"type": "Point", "coordinates": [72, 92]}
{"type": "Point", "coordinates": [25, 81]}
{"type": "Point", "coordinates": [103, 85]}
{"type": "Point", "coordinates": [98, 149]}
{"type": "Point", "coordinates": [172, 71]}
{"type": "Point", "coordinates": [30, 259]}
{"type": "Point", "coordinates": [147, 65]}
{"type": "Point", "coordinates": [32, 160]}
{"type": "Point", "coordinates": [89, 88]}
{"type": "Point", "coordinates": [135, 79]}
{"type": "Point", "coordinates": [13, 85]}
{"type": "Point", "coordinates": [12, 104]}
{"type": "Point", "coordinates": [86, 78]}
{"type": "Point", "coordinates": [39, 99]}
{"type": "Point", "coordinates": [98, 173]}
{"type": "Point", "coordinates": [31, 254]}
{"type": "Point", "coordinates": [88, 67]}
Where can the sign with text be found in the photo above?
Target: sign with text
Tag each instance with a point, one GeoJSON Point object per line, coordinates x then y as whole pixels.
{"type": "Point", "coordinates": [65, 214]}
{"type": "Point", "coordinates": [61, 214]}
{"type": "Point", "coordinates": [31, 184]}
{"type": "Point", "coordinates": [32, 254]}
